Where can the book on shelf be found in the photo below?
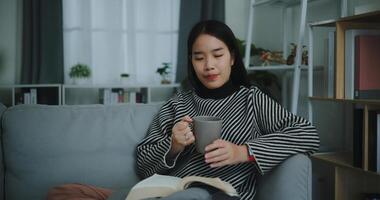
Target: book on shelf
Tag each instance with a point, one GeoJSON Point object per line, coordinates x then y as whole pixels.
{"type": "Point", "coordinates": [29, 96]}
{"type": "Point", "coordinates": [378, 142]}
{"type": "Point", "coordinates": [350, 57]}
{"type": "Point", "coordinates": [33, 96]}
{"type": "Point", "coordinates": [26, 98]}
{"type": "Point", "coordinates": [330, 50]}
{"type": "Point", "coordinates": [118, 95]}
{"type": "Point", "coordinates": [163, 185]}
{"type": "Point", "coordinates": [367, 67]}
{"type": "Point", "coordinates": [105, 96]}
{"type": "Point", "coordinates": [132, 97]}
{"type": "Point", "coordinates": [374, 140]}
{"type": "Point", "coordinates": [373, 147]}
{"type": "Point", "coordinates": [358, 137]}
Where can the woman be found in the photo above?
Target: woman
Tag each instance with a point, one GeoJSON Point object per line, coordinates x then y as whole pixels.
{"type": "Point", "coordinates": [257, 134]}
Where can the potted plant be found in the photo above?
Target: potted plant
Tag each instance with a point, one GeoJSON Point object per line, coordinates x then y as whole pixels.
{"type": "Point", "coordinates": [124, 78]}
{"type": "Point", "coordinates": [80, 73]}
{"type": "Point", "coordinates": [164, 72]}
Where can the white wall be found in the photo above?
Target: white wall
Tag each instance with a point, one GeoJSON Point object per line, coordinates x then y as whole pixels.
{"type": "Point", "coordinates": [10, 40]}
{"type": "Point", "coordinates": [236, 16]}
{"type": "Point", "coordinates": [362, 6]}
{"type": "Point", "coordinates": [267, 30]}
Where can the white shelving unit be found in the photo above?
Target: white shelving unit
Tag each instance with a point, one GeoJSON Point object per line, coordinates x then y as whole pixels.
{"type": "Point", "coordinates": [153, 93]}
{"type": "Point", "coordinates": [296, 67]}
{"type": "Point", "coordinates": [14, 91]}
{"type": "Point", "coordinates": [148, 89]}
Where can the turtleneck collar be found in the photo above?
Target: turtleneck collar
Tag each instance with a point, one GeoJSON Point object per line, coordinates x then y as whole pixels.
{"type": "Point", "coordinates": [219, 93]}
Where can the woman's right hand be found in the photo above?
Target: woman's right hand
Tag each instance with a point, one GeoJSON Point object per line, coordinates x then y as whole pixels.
{"type": "Point", "coordinates": [182, 135]}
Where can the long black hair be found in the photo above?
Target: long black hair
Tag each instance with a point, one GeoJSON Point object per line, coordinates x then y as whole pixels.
{"type": "Point", "coordinates": [221, 31]}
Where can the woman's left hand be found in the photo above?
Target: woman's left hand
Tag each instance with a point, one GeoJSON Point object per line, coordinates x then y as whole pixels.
{"type": "Point", "coordinates": [221, 153]}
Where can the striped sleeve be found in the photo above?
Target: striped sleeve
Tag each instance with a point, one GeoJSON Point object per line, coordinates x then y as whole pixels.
{"type": "Point", "coordinates": [151, 152]}
{"type": "Point", "coordinates": [282, 134]}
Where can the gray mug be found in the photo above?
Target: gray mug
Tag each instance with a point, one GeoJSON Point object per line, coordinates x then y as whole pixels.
{"type": "Point", "coordinates": [206, 130]}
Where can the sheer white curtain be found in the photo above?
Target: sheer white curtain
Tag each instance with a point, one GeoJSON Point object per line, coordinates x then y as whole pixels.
{"type": "Point", "coordinates": [120, 36]}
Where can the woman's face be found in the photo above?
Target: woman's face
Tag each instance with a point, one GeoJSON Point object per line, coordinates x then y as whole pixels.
{"type": "Point", "coordinates": [211, 60]}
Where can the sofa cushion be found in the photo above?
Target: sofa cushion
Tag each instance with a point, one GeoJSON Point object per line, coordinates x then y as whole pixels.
{"type": "Point", "coordinates": [46, 146]}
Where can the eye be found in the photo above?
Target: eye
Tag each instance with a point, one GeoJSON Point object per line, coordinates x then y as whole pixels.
{"type": "Point", "coordinates": [198, 58]}
{"type": "Point", "coordinates": [218, 55]}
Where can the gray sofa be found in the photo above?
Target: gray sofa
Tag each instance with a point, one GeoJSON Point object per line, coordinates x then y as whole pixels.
{"type": "Point", "coordinates": [45, 146]}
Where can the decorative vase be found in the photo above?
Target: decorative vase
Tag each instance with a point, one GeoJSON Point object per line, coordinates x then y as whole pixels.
{"type": "Point", "coordinates": [124, 81]}
{"type": "Point", "coordinates": [165, 79]}
{"type": "Point", "coordinates": [80, 81]}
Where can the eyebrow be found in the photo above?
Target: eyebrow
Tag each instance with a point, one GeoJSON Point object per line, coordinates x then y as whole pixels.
{"type": "Point", "coordinates": [214, 50]}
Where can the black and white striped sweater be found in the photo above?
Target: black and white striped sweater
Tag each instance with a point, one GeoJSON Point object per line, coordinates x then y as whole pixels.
{"type": "Point", "coordinates": [249, 117]}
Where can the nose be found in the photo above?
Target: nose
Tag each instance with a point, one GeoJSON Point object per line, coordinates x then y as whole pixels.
{"type": "Point", "coordinates": [210, 64]}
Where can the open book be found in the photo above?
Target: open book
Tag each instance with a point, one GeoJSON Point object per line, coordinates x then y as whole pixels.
{"type": "Point", "coordinates": [161, 186]}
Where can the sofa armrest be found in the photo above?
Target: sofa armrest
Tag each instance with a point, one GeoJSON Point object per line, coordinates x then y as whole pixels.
{"type": "Point", "coordinates": [2, 109]}
{"type": "Point", "coordinates": [289, 181]}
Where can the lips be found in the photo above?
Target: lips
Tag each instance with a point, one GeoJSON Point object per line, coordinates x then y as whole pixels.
{"type": "Point", "coordinates": [212, 77]}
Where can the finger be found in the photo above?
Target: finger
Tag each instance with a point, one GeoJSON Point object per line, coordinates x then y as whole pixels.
{"type": "Point", "coordinates": [189, 133]}
{"type": "Point", "coordinates": [215, 145]}
{"type": "Point", "coordinates": [189, 137]}
{"type": "Point", "coordinates": [220, 164]}
{"type": "Point", "coordinates": [191, 140]}
{"type": "Point", "coordinates": [217, 159]}
{"type": "Point", "coordinates": [215, 153]}
{"type": "Point", "coordinates": [187, 119]}
{"type": "Point", "coordinates": [182, 125]}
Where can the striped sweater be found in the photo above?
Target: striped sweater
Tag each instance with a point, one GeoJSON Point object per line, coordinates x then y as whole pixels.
{"type": "Point", "coordinates": [249, 117]}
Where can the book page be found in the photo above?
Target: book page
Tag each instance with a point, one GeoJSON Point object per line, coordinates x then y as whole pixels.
{"type": "Point", "coordinates": [154, 186]}
{"type": "Point", "coordinates": [215, 182]}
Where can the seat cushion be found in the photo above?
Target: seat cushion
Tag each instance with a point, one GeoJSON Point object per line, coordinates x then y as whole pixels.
{"type": "Point", "coordinates": [45, 146]}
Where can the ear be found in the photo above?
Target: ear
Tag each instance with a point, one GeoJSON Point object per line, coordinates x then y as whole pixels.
{"type": "Point", "coordinates": [232, 59]}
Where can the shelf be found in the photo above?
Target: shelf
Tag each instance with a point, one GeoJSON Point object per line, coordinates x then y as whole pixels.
{"type": "Point", "coordinates": [116, 93]}
{"type": "Point", "coordinates": [369, 20]}
{"type": "Point", "coordinates": [358, 101]}
{"type": "Point", "coordinates": [341, 159]}
{"type": "Point", "coordinates": [271, 67]}
{"type": "Point", "coordinates": [283, 2]}
{"type": "Point", "coordinates": [366, 17]}
{"type": "Point", "coordinates": [30, 85]}
{"type": "Point", "coordinates": [84, 94]}
{"type": "Point", "coordinates": [344, 180]}
{"type": "Point", "coordinates": [123, 86]}
{"type": "Point", "coordinates": [327, 23]}
{"type": "Point", "coordinates": [278, 67]}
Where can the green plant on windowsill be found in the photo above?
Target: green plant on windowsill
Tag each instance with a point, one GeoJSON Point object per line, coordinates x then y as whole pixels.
{"type": "Point", "coordinates": [164, 72]}
{"type": "Point", "coordinates": [80, 73]}
{"type": "Point", "coordinates": [124, 78]}
{"type": "Point", "coordinates": [124, 75]}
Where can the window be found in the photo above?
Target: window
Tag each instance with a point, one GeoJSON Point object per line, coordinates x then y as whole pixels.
{"type": "Point", "coordinates": [120, 36]}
